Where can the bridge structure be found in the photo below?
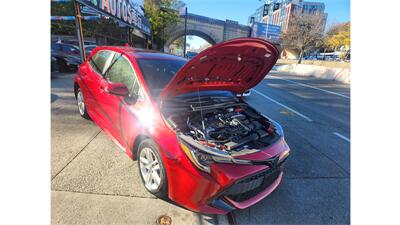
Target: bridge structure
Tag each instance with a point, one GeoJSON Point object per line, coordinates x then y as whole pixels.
{"type": "Point", "coordinates": [210, 29]}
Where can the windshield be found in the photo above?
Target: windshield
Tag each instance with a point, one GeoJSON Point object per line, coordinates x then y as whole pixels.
{"type": "Point", "coordinates": [158, 73]}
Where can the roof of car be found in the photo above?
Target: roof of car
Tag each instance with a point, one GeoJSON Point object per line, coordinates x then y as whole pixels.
{"type": "Point", "coordinates": [143, 53]}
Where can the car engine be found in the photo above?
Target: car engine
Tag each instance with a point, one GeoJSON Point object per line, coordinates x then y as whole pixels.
{"type": "Point", "coordinates": [232, 127]}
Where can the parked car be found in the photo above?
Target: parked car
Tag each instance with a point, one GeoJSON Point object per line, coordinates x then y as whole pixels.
{"type": "Point", "coordinates": [54, 64]}
{"type": "Point", "coordinates": [89, 49]}
{"type": "Point", "coordinates": [66, 62]}
{"type": "Point", "coordinates": [76, 42]}
{"type": "Point", "coordinates": [191, 55]}
{"type": "Point", "coordinates": [67, 49]}
{"type": "Point", "coordinates": [311, 57]}
{"type": "Point", "coordinates": [196, 143]}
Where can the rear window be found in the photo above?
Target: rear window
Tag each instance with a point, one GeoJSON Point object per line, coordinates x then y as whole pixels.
{"type": "Point", "coordinates": [158, 73]}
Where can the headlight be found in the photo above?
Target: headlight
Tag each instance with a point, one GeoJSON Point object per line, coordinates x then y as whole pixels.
{"type": "Point", "coordinates": [203, 160]}
{"type": "Point", "coordinates": [199, 159]}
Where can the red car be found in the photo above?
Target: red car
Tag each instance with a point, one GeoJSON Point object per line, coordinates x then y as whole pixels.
{"type": "Point", "coordinates": [196, 143]}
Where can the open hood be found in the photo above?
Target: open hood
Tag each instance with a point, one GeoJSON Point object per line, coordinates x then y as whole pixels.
{"type": "Point", "coordinates": [235, 65]}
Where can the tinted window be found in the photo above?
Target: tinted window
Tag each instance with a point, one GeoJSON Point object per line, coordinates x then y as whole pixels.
{"type": "Point", "coordinates": [158, 73]}
{"type": "Point", "coordinates": [98, 61]}
{"type": "Point", "coordinates": [121, 72]}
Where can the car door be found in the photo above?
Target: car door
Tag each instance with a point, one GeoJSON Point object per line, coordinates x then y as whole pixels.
{"type": "Point", "coordinates": [94, 82]}
{"type": "Point", "coordinates": [120, 70]}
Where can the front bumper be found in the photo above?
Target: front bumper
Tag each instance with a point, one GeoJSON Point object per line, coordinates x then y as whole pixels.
{"type": "Point", "coordinates": [250, 190]}
{"type": "Point", "coordinates": [228, 186]}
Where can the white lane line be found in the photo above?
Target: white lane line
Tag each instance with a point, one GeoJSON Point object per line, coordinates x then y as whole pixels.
{"type": "Point", "coordinates": [341, 136]}
{"type": "Point", "coordinates": [284, 106]}
{"type": "Point", "coordinates": [306, 85]}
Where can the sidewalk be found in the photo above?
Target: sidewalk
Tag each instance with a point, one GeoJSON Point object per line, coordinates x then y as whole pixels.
{"type": "Point", "coordinates": [83, 208]}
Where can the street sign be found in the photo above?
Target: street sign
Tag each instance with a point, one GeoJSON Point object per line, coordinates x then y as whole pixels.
{"type": "Point", "coordinates": [127, 12]}
{"type": "Point", "coordinates": [266, 31]}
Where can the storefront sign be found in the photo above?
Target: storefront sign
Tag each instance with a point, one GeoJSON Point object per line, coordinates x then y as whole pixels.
{"type": "Point", "coordinates": [127, 12]}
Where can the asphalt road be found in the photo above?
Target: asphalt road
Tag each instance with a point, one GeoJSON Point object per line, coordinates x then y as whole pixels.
{"type": "Point", "coordinates": [315, 116]}
{"type": "Point", "coordinates": [93, 182]}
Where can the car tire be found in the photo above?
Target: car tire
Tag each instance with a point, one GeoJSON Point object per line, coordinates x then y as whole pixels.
{"type": "Point", "coordinates": [149, 151]}
{"type": "Point", "coordinates": [81, 104]}
{"type": "Point", "coordinates": [62, 65]}
{"type": "Point", "coordinates": [72, 68]}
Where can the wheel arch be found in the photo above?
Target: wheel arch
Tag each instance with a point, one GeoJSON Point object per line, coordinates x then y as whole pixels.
{"type": "Point", "coordinates": [76, 86]}
{"type": "Point", "coordinates": [136, 143]}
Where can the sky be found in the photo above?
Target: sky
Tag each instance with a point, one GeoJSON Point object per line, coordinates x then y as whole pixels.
{"type": "Point", "coordinates": [240, 10]}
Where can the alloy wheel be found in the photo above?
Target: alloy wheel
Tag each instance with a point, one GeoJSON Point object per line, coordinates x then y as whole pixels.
{"type": "Point", "coordinates": [150, 169]}
{"type": "Point", "coordinates": [81, 103]}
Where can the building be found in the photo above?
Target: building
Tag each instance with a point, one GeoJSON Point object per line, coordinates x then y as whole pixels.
{"type": "Point", "coordinates": [257, 16]}
{"type": "Point", "coordinates": [278, 12]}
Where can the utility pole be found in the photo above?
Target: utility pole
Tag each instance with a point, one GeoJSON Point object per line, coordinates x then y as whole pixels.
{"type": "Point", "coordinates": [184, 42]}
{"type": "Point", "coordinates": [79, 31]}
{"type": "Point", "coordinates": [129, 36]}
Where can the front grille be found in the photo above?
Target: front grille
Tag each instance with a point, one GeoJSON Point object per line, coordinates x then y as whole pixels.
{"type": "Point", "coordinates": [251, 186]}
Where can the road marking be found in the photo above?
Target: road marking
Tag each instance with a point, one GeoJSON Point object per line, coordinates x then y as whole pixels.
{"type": "Point", "coordinates": [341, 136]}
{"type": "Point", "coordinates": [284, 106]}
{"type": "Point", "coordinates": [306, 85]}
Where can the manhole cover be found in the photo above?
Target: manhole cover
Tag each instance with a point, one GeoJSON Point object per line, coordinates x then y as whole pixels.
{"type": "Point", "coordinates": [164, 220]}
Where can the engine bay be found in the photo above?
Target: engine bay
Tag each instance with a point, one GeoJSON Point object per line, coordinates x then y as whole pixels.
{"type": "Point", "coordinates": [224, 123]}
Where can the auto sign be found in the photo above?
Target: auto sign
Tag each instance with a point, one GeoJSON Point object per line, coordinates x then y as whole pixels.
{"type": "Point", "coordinates": [123, 11]}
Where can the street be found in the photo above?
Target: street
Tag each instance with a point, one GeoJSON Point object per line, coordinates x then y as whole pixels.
{"type": "Point", "coordinates": [93, 182]}
{"type": "Point", "coordinates": [315, 115]}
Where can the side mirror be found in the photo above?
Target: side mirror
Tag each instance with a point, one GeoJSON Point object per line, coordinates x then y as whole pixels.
{"type": "Point", "coordinates": [118, 89]}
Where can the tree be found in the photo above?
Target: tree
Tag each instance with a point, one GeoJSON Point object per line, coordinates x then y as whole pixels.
{"type": "Point", "coordinates": [161, 14]}
{"type": "Point", "coordinates": [179, 42]}
{"type": "Point", "coordinates": [305, 32]}
{"type": "Point", "coordinates": [338, 37]}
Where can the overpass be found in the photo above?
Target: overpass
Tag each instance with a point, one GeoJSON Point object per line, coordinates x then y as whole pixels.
{"type": "Point", "coordinates": [210, 29]}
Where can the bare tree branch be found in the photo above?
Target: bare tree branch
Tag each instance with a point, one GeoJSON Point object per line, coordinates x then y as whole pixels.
{"type": "Point", "coordinates": [305, 32]}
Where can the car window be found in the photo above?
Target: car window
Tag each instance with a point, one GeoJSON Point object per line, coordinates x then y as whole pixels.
{"type": "Point", "coordinates": [121, 71]}
{"type": "Point", "coordinates": [158, 73]}
{"type": "Point", "coordinates": [98, 61]}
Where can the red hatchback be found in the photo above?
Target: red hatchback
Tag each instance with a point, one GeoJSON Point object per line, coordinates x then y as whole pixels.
{"type": "Point", "coordinates": [196, 142]}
